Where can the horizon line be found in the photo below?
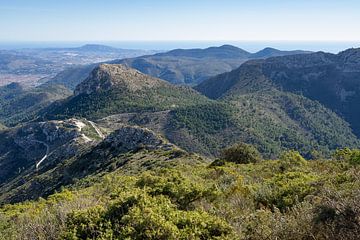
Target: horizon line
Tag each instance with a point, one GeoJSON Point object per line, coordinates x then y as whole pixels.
{"type": "Point", "coordinates": [173, 40]}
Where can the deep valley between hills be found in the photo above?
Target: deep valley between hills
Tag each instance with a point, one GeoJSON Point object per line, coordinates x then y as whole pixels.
{"type": "Point", "coordinates": [213, 143]}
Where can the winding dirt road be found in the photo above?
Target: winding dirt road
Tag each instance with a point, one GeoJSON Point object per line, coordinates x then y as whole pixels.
{"type": "Point", "coordinates": [101, 135]}
{"type": "Point", "coordinates": [46, 154]}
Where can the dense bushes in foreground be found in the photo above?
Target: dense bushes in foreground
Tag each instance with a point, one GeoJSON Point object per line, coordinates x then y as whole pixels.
{"type": "Point", "coordinates": [289, 198]}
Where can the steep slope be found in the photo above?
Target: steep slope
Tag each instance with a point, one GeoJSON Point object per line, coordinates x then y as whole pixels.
{"type": "Point", "coordinates": [112, 89]}
{"type": "Point", "coordinates": [72, 76]}
{"type": "Point", "coordinates": [289, 122]}
{"type": "Point", "coordinates": [33, 146]}
{"type": "Point", "coordinates": [10, 90]}
{"type": "Point", "coordinates": [292, 122]}
{"type": "Point", "coordinates": [73, 156]}
{"type": "Point", "coordinates": [18, 104]}
{"type": "Point", "coordinates": [333, 80]}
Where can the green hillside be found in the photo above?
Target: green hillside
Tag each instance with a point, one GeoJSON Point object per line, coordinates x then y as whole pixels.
{"type": "Point", "coordinates": [331, 79]}
{"type": "Point", "coordinates": [289, 122]}
{"type": "Point", "coordinates": [20, 105]}
{"type": "Point", "coordinates": [121, 90]}
{"type": "Point", "coordinates": [159, 195]}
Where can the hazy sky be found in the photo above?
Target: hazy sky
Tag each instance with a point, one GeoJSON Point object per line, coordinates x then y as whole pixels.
{"type": "Point", "coordinates": [123, 20]}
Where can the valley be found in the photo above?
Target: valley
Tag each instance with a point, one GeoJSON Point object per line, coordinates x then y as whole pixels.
{"type": "Point", "coordinates": [31, 67]}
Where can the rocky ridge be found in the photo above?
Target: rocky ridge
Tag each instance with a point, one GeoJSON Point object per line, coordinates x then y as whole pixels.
{"type": "Point", "coordinates": [108, 76]}
{"type": "Point", "coordinates": [70, 155]}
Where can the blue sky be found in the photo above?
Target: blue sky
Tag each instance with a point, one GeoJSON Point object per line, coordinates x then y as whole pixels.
{"type": "Point", "coordinates": [154, 20]}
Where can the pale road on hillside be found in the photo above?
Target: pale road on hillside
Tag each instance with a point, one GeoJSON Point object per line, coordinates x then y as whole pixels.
{"type": "Point", "coordinates": [101, 135]}
{"type": "Point", "coordinates": [46, 154]}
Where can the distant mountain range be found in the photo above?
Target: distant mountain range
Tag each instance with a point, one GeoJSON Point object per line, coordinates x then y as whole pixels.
{"type": "Point", "coordinates": [333, 80]}
{"type": "Point", "coordinates": [180, 66]}
{"type": "Point", "coordinates": [99, 49]}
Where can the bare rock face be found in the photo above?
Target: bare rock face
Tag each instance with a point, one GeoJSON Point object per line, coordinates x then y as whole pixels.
{"type": "Point", "coordinates": [130, 138]}
{"type": "Point", "coordinates": [108, 76]}
{"type": "Point", "coordinates": [53, 133]}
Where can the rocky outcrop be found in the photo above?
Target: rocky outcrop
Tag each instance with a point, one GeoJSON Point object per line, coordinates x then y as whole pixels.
{"type": "Point", "coordinates": [23, 147]}
{"type": "Point", "coordinates": [132, 138]}
{"type": "Point", "coordinates": [109, 76]}
{"type": "Point", "coordinates": [52, 132]}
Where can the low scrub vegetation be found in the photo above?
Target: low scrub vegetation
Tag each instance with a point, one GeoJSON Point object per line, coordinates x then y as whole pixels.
{"type": "Point", "coordinates": [239, 196]}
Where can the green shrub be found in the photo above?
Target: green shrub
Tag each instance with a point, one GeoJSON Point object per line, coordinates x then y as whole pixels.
{"type": "Point", "coordinates": [343, 154]}
{"type": "Point", "coordinates": [90, 224]}
{"type": "Point", "coordinates": [186, 199]}
{"type": "Point", "coordinates": [351, 156]}
{"type": "Point", "coordinates": [182, 191]}
{"type": "Point", "coordinates": [291, 159]}
{"type": "Point", "coordinates": [241, 153]}
{"type": "Point", "coordinates": [285, 190]}
{"type": "Point", "coordinates": [355, 157]}
{"type": "Point", "coordinates": [145, 217]}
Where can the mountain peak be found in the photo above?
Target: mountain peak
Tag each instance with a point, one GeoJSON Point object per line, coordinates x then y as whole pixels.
{"type": "Point", "coordinates": [227, 50]}
{"type": "Point", "coordinates": [115, 68]}
{"type": "Point", "coordinates": [224, 51]}
{"type": "Point", "coordinates": [229, 47]}
{"type": "Point", "coordinates": [108, 76]}
{"type": "Point", "coordinates": [270, 49]}
{"type": "Point", "coordinates": [97, 48]}
{"type": "Point", "coordinates": [273, 52]}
